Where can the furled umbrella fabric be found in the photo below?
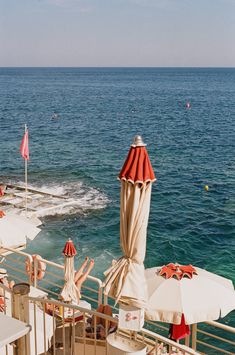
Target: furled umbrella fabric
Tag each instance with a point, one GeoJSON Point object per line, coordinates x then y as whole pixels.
{"type": "Point", "coordinates": [125, 278]}
{"type": "Point", "coordinates": [203, 297]}
{"type": "Point", "coordinates": [69, 292]}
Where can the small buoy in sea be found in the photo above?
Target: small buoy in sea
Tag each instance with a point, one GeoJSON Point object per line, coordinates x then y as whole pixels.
{"type": "Point", "coordinates": [188, 105]}
{"type": "Point", "coordinates": [206, 187]}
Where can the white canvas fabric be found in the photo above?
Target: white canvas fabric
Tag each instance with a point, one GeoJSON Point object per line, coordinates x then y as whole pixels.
{"type": "Point", "coordinates": [69, 292]}
{"type": "Point", "coordinates": [14, 230]}
{"type": "Point", "coordinates": [125, 279]}
{"type": "Point", "coordinates": [26, 216]}
{"type": "Point", "coordinates": [205, 297]}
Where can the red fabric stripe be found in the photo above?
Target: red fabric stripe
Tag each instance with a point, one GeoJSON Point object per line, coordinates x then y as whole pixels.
{"type": "Point", "coordinates": [137, 166]}
{"type": "Point", "coordinates": [69, 249]}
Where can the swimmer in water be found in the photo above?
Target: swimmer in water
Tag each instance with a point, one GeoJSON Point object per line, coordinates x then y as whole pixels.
{"type": "Point", "coordinates": [188, 105]}
{"type": "Point", "coordinates": [55, 116]}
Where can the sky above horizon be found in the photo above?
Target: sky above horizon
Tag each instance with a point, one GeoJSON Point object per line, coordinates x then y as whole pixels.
{"type": "Point", "coordinates": [107, 33]}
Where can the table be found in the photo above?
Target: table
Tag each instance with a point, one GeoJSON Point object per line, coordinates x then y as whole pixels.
{"type": "Point", "coordinates": [12, 330]}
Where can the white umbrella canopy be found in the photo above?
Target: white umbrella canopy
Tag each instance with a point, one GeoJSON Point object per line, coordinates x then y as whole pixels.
{"type": "Point", "coordinates": [69, 292]}
{"type": "Point", "coordinates": [125, 278]}
{"type": "Point", "coordinates": [15, 229]}
{"type": "Point", "coordinates": [204, 297]}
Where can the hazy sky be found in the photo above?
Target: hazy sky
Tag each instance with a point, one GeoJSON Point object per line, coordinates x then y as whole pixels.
{"type": "Point", "coordinates": [117, 33]}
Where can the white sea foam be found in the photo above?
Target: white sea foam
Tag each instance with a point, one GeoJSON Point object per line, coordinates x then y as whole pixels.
{"type": "Point", "coordinates": [53, 189]}
{"type": "Point", "coordinates": [80, 198]}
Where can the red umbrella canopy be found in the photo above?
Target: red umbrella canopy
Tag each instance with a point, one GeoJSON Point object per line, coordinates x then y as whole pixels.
{"type": "Point", "coordinates": [137, 167]}
{"type": "Point", "coordinates": [69, 248]}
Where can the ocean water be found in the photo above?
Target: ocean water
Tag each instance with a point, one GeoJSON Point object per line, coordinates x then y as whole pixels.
{"type": "Point", "coordinates": [81, 153]}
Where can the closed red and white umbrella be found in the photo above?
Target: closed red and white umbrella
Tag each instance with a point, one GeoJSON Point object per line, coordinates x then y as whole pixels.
{"type": "Point", "coordinates": [69, 292]}
{"type": "Point", "coordinates": [125, 279]}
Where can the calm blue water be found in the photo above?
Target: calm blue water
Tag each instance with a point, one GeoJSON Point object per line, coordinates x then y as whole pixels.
{"type": "Point", "coordinates": [81, 153]}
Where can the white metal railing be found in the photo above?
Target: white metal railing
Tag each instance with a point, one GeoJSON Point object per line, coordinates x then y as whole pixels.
{"type": "Point", "coordinates": [52, 283]}
{"type": "Point", "coordinates": [216, 338]}
{"type": "Point", "coordinates": [216, 342]}
{"type": "Point", "coordinates": [83, 333]}
{"type": "Point", "coordinates": [206, 342]}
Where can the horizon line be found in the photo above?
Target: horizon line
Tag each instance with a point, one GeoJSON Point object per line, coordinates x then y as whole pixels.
{"type": "Point", "coordinates": [121, 67]}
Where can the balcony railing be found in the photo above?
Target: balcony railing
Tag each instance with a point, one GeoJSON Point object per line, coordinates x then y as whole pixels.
{"type": "Point", "coordinates": [54, 333]}
{"type": "Point", "coordinates": [207, 338]}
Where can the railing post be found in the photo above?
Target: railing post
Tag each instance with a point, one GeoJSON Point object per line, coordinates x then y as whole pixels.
{"type": "Point", "coordinates": [187, 340]}
{"type": "Point", "coordinates": [105, 299]}
{"type": "Point", "coordinates": [100, 295]}
{"type": "Point", "coordinates": [20, 311]}
{"type": "Point", "coordinates": [194, 336]}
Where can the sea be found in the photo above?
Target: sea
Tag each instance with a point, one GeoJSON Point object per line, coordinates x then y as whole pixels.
{"type": "Point", "coordinates": [81, 124]}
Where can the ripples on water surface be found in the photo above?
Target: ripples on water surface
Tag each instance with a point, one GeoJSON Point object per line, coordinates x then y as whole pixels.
{"type": "Point", "coordinates": [100, 111]}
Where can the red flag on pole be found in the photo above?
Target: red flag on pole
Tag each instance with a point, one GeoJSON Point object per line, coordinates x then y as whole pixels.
{"type": "Point", "coordinates": [24, 147]}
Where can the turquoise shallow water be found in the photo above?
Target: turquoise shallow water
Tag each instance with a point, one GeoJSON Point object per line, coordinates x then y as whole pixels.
{"type": "Point", "coordinates": [82, 152]}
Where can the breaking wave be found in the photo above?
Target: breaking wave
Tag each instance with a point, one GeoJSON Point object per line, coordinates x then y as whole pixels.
{"type": "Point", "coordinates": [78, 197]}
{"type": "Point", "coordinates": [82, 198]}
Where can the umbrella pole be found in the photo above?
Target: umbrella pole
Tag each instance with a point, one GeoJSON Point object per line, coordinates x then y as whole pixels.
{"type": "Point", "coordinates": [194, 336]}
{"type": "Point", "coordinates": [187, 340]}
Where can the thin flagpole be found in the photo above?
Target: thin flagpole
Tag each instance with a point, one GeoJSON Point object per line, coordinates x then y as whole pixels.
{"type": "Point", "coordinates": [26, 177]}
